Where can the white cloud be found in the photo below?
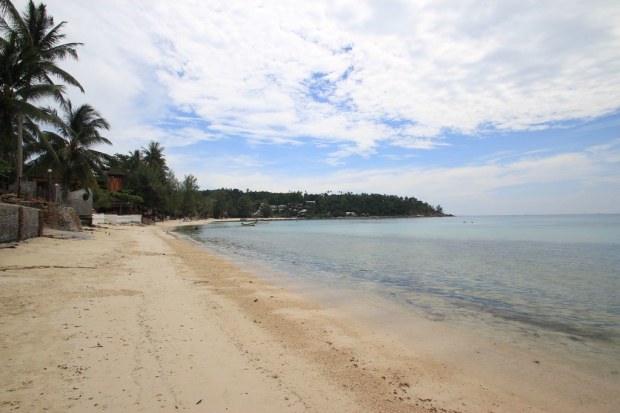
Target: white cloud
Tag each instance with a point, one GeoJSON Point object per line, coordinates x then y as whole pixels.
{"type": "Point", "coordinates": [442, 65]}
{"type": "Point", "coordinates": [608, 152]}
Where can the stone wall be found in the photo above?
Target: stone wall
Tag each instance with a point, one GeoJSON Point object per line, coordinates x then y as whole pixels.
{"type": "Point", "coordinates": [61, 217]}
{"type": "Point", "coordinates": [19, 223]}
{"type": "Point", "coordinates": [9, 230]}
{"type": "Point", "coordinates": [32, 224]}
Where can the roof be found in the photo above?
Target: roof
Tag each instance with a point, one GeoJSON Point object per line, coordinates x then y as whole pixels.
{"type": "Point", "coordinates": [115, 172]}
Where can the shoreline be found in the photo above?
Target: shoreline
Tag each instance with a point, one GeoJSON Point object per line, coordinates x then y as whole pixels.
{"type": "Point", "coordinates": [469, 345]}
{"type": "Point", "coordinates": [134, 319]}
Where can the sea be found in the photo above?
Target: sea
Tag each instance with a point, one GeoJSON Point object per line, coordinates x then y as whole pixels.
{"type": "Point", "coordinates": [551, 282]}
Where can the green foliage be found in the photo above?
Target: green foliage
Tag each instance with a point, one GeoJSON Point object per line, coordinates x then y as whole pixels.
{"type": "Point", "coordinates": [30, 47]}
{"type": "Point", "coordinates": [190, 198]}
{"type": "Point", "coordinates": [162, 192]}
{"type": "Point", "coordinates": [126, 196]}
{"type": "Point", "coordinates": [266, 210]}
{"type": "Point", "coordinates": [147, 183]}
{"type": "Point", "coordinates": [368, 205]}
{"type": "Point", "coordinates": [123, 199]}
{"type": "Point", "coordinates": [238, 204]}
{"type": "Point", "coordinates": [153, 158]}
{"type": "Point", "coordinates": [6, 167]}
{"type": "Point", "coordinates": [69, 152]}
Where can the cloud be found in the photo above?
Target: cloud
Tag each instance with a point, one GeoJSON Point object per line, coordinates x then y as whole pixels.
{"type": "Point", "coordinates": [354, 83]}
{"type": "Point", "coordinates": [607, 152]}
{"type": "Point", "coordinates": [251, 67]}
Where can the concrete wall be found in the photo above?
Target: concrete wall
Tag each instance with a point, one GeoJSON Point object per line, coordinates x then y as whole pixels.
{"type": "Point", "coordinates": [19, 223]}
{"type": "Point", "coordinates": [123, 219]}
{"type": "Point", "coordinates": [100, 219]}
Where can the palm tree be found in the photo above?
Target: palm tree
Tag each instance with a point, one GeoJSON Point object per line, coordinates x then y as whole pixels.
{"type": "Point", "coordinates": [15, 95]}
{"type": "Point", "coordinates": [134, 159]}
{"type": "Point", "coordinates": [153, 157]}
{"type": "Point", "coordinates": [70, 150]}
{"type": "Point", "coordinates": [34, 43]}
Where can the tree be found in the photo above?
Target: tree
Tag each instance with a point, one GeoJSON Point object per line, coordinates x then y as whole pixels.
{"type": "Point", "coordinates": [153, 157]}
{"type": "Point", "coordinates": [126, 163]}
{"type": "Point", "coordinates": [15, 95]}
{"type": "Point", "coordinates": [31, 47]}
{"type": "Point", "coordinates": [148, 176]}
{"type": "Point", "coordinates": [189, 195]}
{"type": "Point", "coordinates": [266, 210]}
{"type": "Point", "coordinates": [71, 153]}
{"type": "Point", "coordinates": [244, 206]}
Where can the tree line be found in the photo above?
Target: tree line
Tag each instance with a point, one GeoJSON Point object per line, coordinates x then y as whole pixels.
{"type": "Point", "coordinates": [236, 203]}
{"type": "Point", "coordinates": [150, 186]}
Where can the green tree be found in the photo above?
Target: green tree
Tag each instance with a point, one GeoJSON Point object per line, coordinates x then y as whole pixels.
{"type": "Point", "coordinates": [148, 176]}
{"type": "Point", "coordinates": [126, 163]}
{"type": "Point", "coordinates": [31, 47]}
{"type": "Point", "coordinates": [190, 198]}
{"type": "Point", "coordinates": [153, 157]}
{"type": "Point", "coordinates": [147, 183]}
{"type": "Point", "coordinates": [244, 206]}
{"type": "Point", "coordinates": [15, 98]}
{"type": "Point", "coordinates": [266, 210]}
{"type": "Point", "coordinates": [71, 156]}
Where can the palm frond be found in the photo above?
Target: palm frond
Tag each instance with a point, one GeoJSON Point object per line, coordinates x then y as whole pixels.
{"type": "Point", "coordinates": [38, 91]}
{"type": "Point", "coordinates": [62, 75]}
{"type": "Point", "coordinates": [14, 18]}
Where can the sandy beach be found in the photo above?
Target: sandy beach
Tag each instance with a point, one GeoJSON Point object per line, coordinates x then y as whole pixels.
{"type": "Point", "coordinates": [130, 318]}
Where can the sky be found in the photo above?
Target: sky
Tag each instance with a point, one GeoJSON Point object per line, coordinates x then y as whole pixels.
{"type": "Point", "coordinates": [482, 107]}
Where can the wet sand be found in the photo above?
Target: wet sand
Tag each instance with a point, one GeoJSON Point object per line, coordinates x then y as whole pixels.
{"type": "Point", "coordinates": [133, 319]}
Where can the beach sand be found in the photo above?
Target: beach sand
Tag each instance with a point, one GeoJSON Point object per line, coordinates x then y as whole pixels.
{"type": "Point", "coordinates": [132, 319]}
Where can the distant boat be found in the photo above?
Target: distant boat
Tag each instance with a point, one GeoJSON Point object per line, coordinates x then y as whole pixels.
{"type": "Point", "coordinates": [248, 224]}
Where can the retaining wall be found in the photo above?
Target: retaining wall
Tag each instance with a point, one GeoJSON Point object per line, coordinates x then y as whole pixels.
{"type": "Point", "coordinates": [32, 223]}
{"type": "Point", "coordinates": [18, 223]}
{"type": "Point", "coordinates": [99, 219]}
{"type": "Point", "coordinates": [123, 219]}
{"type": "Point", "coordinates": [61, 217]}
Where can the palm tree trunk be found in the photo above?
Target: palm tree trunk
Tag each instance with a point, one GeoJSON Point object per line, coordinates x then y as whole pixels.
{"type": "Point", "coordinates": [19, 158]}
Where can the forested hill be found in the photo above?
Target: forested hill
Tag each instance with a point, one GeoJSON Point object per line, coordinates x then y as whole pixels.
{"type": "Point", "coordinates": [237, 203]}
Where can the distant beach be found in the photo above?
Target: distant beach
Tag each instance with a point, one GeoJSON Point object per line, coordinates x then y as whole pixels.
{"type": "Point", "coordinates": [134, 319]}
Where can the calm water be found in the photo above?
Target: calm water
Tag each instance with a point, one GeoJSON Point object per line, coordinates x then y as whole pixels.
{"type": "Point", "coordinates": [551, 276]}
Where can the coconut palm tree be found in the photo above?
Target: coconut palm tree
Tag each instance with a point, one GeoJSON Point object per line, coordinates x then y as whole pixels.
{"type": "Point", "coordinates": [15, 95]}
{"type": "Point", "coordinates": [153, 157]}
{"type": "Point", "coordinates": [69, 153]}
{"type": "Point", "coordinates": [35, 46]}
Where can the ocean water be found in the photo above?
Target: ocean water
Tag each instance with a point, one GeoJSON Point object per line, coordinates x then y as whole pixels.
{"type": "Point", "coordinates": [549, 279]}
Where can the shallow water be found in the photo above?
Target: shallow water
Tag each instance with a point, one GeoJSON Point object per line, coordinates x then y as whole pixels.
{"type": "Point", "coordinates": [553, 279]}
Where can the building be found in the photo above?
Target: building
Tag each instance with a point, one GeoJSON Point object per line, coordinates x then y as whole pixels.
{"type": "Point", "coordinates": [115, 180]}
